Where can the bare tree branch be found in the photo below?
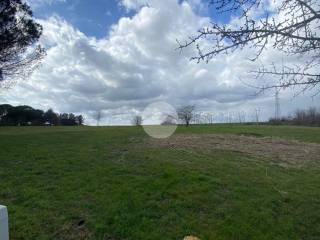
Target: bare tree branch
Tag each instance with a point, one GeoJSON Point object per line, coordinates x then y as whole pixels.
{"type": "Point", "coordinates": [293, 29]}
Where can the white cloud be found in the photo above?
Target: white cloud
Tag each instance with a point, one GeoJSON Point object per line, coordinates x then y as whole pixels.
{"type": "Point", "coordinates": [133, 4]}
{"type": "Point", "coordinates": [136, 64]}
{"type": "Point", "coordinates": [197, 5]}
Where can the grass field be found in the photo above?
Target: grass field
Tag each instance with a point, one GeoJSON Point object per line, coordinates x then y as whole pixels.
{"type": "Point", "coordinates": [109, 183]}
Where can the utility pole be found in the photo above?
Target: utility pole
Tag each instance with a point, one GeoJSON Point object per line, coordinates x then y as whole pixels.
{"type": "Point", "coordinates": [257, 112]}
{"type": "Point", "coordinates": [239, 116]}
{"type": "Point", "coordinates": [277, 106]}
{"type": "Point", "coordinates": [98, 116]}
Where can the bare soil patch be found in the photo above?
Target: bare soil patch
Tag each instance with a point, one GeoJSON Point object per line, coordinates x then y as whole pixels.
{"type": "Point", "coordinates": [282, 151]}
{"type": "Point", "coordinates": [74, 231]}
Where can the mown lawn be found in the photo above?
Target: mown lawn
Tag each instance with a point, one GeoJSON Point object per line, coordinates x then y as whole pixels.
{"type": "Point", "coordinates": [107, 183]}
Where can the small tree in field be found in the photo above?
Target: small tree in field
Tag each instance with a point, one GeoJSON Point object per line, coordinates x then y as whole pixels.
{"type": "Point", "coordinates": [185, 114]}
{"type": "Point", "coordinates": [137, 120]}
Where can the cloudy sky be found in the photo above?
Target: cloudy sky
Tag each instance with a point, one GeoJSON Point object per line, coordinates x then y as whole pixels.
{"type": "Point", "coordinates": [118, 56]}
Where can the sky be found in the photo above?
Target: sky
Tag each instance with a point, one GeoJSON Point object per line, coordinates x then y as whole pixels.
{"type": "Point", "coordinates": [119, 56]}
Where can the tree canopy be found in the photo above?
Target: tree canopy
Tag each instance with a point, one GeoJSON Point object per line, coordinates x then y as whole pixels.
{"type": "Point", "coordinates": [26, 115]}
{"type": "Point", "coordinates": [19, 33]}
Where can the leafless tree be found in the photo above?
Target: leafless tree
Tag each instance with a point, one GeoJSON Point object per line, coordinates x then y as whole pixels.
{"type": "Point", "coordinates": [196, 119]}
{"type": "Point", "coordinates": [211, 118]}
{"type": "Point", "coordinates": [137, 120]}
{"type": "Point", "coordinates": [243, 116]}
{"type": "Point", "coordinates": [310, 116]}
{"type": "Point", "coordinates": [292, 27]}
{"type": "Point", "coordinates": [185, 114]}
{"type": "Point", "coordinates": [240, 117]}
{"type": "Point", "coordinates": [169, 120]}
{"type": "Point", "coordinates": [306, 117]}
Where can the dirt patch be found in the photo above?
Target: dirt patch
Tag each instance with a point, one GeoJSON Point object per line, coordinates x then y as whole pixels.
{"type": "Point", "coordinates": [279, 150]}
{"type": "Point", "coordinates": [74, 231]}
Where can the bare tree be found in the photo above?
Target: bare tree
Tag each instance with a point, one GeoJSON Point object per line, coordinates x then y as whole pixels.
{"type": "Point", "coordinates": [211, 118]}
{"type": "Point", "coordinates": [169, 120]}
{"type": "Point", "coordinates": [137, 120]}
{"type": "Point", "coordinates": [240, 117]}
{"type": "Point", "coordinates": [185, 114]}
{"type": "Point", "coordinates": [243, 116]}
{"type": "Point", "coordinates": [310, 116]}
{"type": "Point", "coordinates": [292, 27]}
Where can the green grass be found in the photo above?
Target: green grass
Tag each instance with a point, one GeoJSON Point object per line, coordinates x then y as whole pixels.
{"type": "Point", "coordinates": [51, 178]}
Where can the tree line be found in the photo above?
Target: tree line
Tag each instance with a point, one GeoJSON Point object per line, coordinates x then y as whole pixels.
{"type": "Point", "coordinates": [28, 116]}
{"type": "Point", "coordinates": [305, 117]}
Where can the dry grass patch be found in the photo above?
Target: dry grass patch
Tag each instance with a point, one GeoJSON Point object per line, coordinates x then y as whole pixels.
{"type": "Point", "coordinates": [281, 151]}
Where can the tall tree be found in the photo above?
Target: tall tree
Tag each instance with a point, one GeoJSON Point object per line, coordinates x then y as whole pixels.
{"type": "Point", "coordinates": [4, 109]}
{"type": "Point", "coordinates": [291, 27]}
{"type": "Point", "coordinates": [51, 117]}
{"type": "Point", "coordinates": [79, 120]}
{"type": "Point", "coordinates": [19, 33]}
